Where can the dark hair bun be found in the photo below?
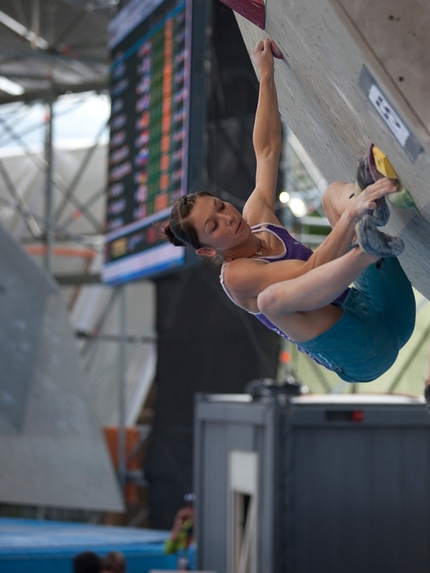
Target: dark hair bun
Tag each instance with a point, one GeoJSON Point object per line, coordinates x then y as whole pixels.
{"type": "Point", "coordinates": [172, 237]}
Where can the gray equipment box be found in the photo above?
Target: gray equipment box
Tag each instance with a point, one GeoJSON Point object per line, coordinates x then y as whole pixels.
{"type": "Point", "coordinates": [312, 484]}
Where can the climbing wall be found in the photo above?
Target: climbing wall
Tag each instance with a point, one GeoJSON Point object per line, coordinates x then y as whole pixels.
{"type": "Point", "coordinates": [52, 449]}
{"type": "Point", "coordinates": [356, 72]}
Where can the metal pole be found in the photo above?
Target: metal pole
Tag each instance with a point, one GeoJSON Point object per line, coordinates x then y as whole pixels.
{"type": "Point", "coordinates": [80, 171]}
{"type": "Point", "coordinates": [49, 235]}
{"type": "Point", "coordinates": [122, 467]}
{"type": "Point", "coordinates": [35, 18]}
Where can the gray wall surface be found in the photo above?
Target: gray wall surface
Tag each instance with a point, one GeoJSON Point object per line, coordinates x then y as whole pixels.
{"type": "Point", "coordinates": [52, 449]}
{"type": "Point", "coordinates": [356, 72]}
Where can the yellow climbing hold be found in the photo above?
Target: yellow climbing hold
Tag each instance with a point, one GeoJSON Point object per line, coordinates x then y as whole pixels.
{"type": "Point", "coordinates": [383, 165]}
{"type": "Point", "coordinates": [401, 198]}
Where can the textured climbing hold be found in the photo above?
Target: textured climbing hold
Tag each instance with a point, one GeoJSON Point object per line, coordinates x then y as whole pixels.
{"type": "Point", "coordinates": [401, 198]}
{"type": "Point", "coordinates": [382, 164]}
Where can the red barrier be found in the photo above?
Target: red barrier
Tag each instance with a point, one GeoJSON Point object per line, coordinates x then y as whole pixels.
{"type": "Point", "coordinates": [252, 10]}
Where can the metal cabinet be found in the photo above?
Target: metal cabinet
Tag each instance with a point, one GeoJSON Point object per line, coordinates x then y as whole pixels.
{"type": "Point", "coordinates": [312, 484]}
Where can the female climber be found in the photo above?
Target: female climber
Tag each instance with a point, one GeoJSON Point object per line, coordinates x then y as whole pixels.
{"type": "Point", "coordinates": [306, 296]}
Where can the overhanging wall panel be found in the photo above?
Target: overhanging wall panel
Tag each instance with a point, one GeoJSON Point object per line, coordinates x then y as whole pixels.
{"type": "Point", "coordinates": [51, 446]}
{"type": "Point", "coordinates": [328, 47]}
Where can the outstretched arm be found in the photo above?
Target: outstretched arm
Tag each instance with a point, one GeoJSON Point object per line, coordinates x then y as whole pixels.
{"type": "Point", "coordinates": [267, 138]}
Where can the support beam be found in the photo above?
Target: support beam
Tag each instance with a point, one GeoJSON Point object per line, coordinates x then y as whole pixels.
{"type": "Point", "coordinates": [49, 199]}
{"type": "Point", "coordinates": [78, 280]}
{"type": "Point", "coordinates": [30, 96]}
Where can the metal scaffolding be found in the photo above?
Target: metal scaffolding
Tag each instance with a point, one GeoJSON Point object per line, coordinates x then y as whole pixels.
{"type": "Point", "coordinates": [55, 208]}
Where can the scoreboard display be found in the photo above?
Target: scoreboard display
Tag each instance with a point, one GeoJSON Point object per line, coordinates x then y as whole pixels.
{"type": "Point", "coordinates": [151, 47]}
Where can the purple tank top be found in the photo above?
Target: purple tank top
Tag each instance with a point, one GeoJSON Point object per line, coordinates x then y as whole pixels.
{"type": "Point", "coordinates": [293, 249]}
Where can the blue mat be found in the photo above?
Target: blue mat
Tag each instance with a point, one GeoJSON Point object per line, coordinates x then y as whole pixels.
{"type": "Point", "coordinates": [28, 546]}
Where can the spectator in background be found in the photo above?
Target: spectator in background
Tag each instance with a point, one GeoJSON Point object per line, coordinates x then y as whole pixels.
{"type": "Point", "coordinates": [114, 562]}
{"type": "Point", "coordinates": [87, 562]}
{"type": "Point", "coordinates": [182, 534]}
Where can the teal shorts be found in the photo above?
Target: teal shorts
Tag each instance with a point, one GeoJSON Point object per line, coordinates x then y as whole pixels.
{"type": "Point", "coordinates": [378, 319]}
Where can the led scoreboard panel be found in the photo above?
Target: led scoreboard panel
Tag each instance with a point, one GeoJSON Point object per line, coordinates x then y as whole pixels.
{"type": "Point", "coordinates": [150, 44]}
